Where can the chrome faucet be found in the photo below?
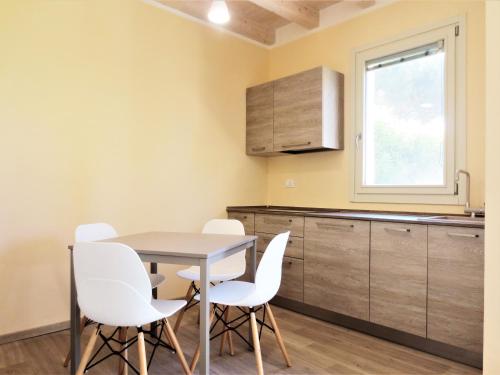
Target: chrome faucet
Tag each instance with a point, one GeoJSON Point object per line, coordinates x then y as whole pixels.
{"type": "Point", "coordinates": [468, 210]}
{"type": "Point", "coordinates": [467, 186]}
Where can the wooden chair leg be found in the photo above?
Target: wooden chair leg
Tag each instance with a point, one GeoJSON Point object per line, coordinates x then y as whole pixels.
{"type": "Point", "coordinates": [222, 343]}
{"type": "Point", "coordinates": [172, 338]}
{"type": "Point", "coordinates": [226, 335]}
{"type": "Point", "coordinates": [83, 321]}
{"type": "Point", "coordinates": [231, 346]}
{"type": "Point", "coordinates": [88, 351]}
{"type": "Point", "coordinates": [256, 343]}
{"type": "Point", "coordinates": [181, 313]}
{"type": "Point", "coordinates": [277, 333]}
{"type": "Point", "coordinates": [122, 365]}
{"type": "Point", "coordinates": [141, 347]}
{"type": "Point", "coordinates": [196, 355]}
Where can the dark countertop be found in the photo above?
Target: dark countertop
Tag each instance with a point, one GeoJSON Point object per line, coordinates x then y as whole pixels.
{"type": "Point", "coordinates": [402, 217]}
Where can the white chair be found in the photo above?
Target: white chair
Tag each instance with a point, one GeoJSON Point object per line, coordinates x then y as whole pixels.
{"type": "Point", "coordinates": [229, 268]}
{"type": "Point", "coordinates": [113, 289]}
{"type": "Point", "coordinates": [104, 231]}
{"type": "Point", "coordinates": [97, 232]}
{"type": "Point", "coordinates": [254, 297]}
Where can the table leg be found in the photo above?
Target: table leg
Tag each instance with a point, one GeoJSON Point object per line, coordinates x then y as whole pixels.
{"type": "Point", "coordinates": [75, 322]}
{"type": "Point", "coordinates": [154, 269]}
{"type": "Point", "coordinates": [253, 271]}
{"type": "Point", "coordinates": [204, 318]}
{"type": "Point", "coordinates": [253, 261]}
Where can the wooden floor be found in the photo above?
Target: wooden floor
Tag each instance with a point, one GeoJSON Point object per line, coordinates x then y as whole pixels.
{"type": "Point", "coordinates": [315, 347]}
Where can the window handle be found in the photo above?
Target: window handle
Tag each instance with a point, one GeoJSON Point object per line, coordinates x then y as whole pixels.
{"type": "Point", "coordinates": [359, 138]}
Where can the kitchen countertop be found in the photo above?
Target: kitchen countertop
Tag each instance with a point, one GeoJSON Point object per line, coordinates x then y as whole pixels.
{"type": "Point", "coordinates": [402, 217]}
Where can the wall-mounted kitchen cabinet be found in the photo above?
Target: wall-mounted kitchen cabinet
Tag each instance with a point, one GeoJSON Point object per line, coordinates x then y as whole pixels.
{"type": "Point", "coordinates": [298, 113]}
{"type": "Point", "coordinates": [260, 115]}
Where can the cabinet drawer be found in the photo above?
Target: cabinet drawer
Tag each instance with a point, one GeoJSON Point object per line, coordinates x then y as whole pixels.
{"type": "Point", "coordinates": [294, 248]}
{"type": "Point", "coordinates": [276, 224]}
{"type": "Point", "coordinates": [398, 276]}
{"type": "Point", "coordinates": [456, 277]}
{"type": "Point", "coordinates": [336, 265]}
{"type": "Point", "coordinates": [247, 219]}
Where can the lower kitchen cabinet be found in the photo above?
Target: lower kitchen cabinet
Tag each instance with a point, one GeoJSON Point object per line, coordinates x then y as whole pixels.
{"type": "Point", "coordinates": [336, 265]}
{"type": "Point", "coordinates": [398, 276]}
{"type": "Point", "coordinates": [455, 300]}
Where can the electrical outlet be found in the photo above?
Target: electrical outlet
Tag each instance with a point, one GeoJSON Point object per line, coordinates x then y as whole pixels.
{"type": "Point", "coordinates": [290, 183]}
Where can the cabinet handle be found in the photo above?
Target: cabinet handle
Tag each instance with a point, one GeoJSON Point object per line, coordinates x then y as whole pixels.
{"type": "Point", "coordinates": [467, 235]}
{"type": "Point", "coordinates": [259, 148]}
{"type": "Point", "coordinates": [290, 242]}
{"type": "Point", "coordinates": [330, 225]}
{"type": "Point", "coordinates": [277, 221]}
{"type": "Point", "coordinates": [407, 230]}
{"type": "Point", "coordinates": [288, 262]}
{"type": "Point", "coordinates": [296, 145]}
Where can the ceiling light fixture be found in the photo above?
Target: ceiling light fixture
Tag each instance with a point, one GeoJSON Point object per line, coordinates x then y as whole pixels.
{"type": "Point", "coordinates": [218, 13]}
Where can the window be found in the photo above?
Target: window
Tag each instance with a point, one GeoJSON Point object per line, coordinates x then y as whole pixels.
{"type": "Point", "coordinates": [409, 119]}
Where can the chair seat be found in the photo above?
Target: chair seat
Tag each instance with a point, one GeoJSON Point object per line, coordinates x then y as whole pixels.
{"type": "Point", "coordinates": [156, 279]}
{"type": "Point", "coordinates": [216, 274]}
{"type": "Point", "coordinates": [168, 307]}
{"type": "Point", "coordinates": [235, 293]}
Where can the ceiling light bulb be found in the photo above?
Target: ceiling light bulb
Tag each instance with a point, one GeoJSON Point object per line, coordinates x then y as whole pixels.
{"type": "Point", "coordinates": [218, 12]}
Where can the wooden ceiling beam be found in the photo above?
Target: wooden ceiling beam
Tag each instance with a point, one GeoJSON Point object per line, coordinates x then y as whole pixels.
{"type": "Point", "coordinates": [238, 24]}
{"type": "Point", "coordinates": [292, 11]}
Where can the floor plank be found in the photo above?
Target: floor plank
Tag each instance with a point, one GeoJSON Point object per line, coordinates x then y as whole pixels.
{"type": "Point", "coordinates": [315, 347]}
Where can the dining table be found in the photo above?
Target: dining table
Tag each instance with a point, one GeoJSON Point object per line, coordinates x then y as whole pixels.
{"type": "Point", "coordinates": [190, 249]}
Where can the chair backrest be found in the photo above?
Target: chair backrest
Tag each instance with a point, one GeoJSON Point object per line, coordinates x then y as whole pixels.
{"type": "Point", "coordinates": [94, 232]}
{"type": "Point", "coordinates": [235, 263]}
{"type": "Point", "coordinates": [268, 276]}
{"type": "Point", "coordinates": [112, 284]}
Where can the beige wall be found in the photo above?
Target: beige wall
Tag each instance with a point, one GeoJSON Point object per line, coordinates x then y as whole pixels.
{"type": "Point", "coordinates": [116, 111]}
{"type": "Point", "coordinates": [323, 178]}
{"type": "Point", "coordinates": [492, 256]}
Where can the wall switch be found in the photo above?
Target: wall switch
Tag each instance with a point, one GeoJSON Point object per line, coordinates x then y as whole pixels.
{"type": "Point", "coordinates": [290, 183]}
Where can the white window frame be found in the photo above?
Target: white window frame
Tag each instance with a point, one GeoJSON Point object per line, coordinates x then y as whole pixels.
{"type": "Point", "coordinates": [455, 115]}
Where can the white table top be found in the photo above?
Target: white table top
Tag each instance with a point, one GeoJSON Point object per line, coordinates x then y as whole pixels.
{"type": "Point", "coordinates": [191, 245]}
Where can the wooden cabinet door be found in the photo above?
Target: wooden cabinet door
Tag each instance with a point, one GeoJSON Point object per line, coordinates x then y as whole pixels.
{"type": "Point", "coordinates": [398, 276]}
{"type": "Point", "coordinates": [246, 218]}
{"type": "Point", "coordinates": [260, 119]}
{"type": "Point", "coordinates": [456, 277]}
{"type": "Point", "coordinates": [336, 265]}
{"type": "Point", "coordinates": [292, 279]}
{"type": "Point", "coordinates": [298, 114]}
